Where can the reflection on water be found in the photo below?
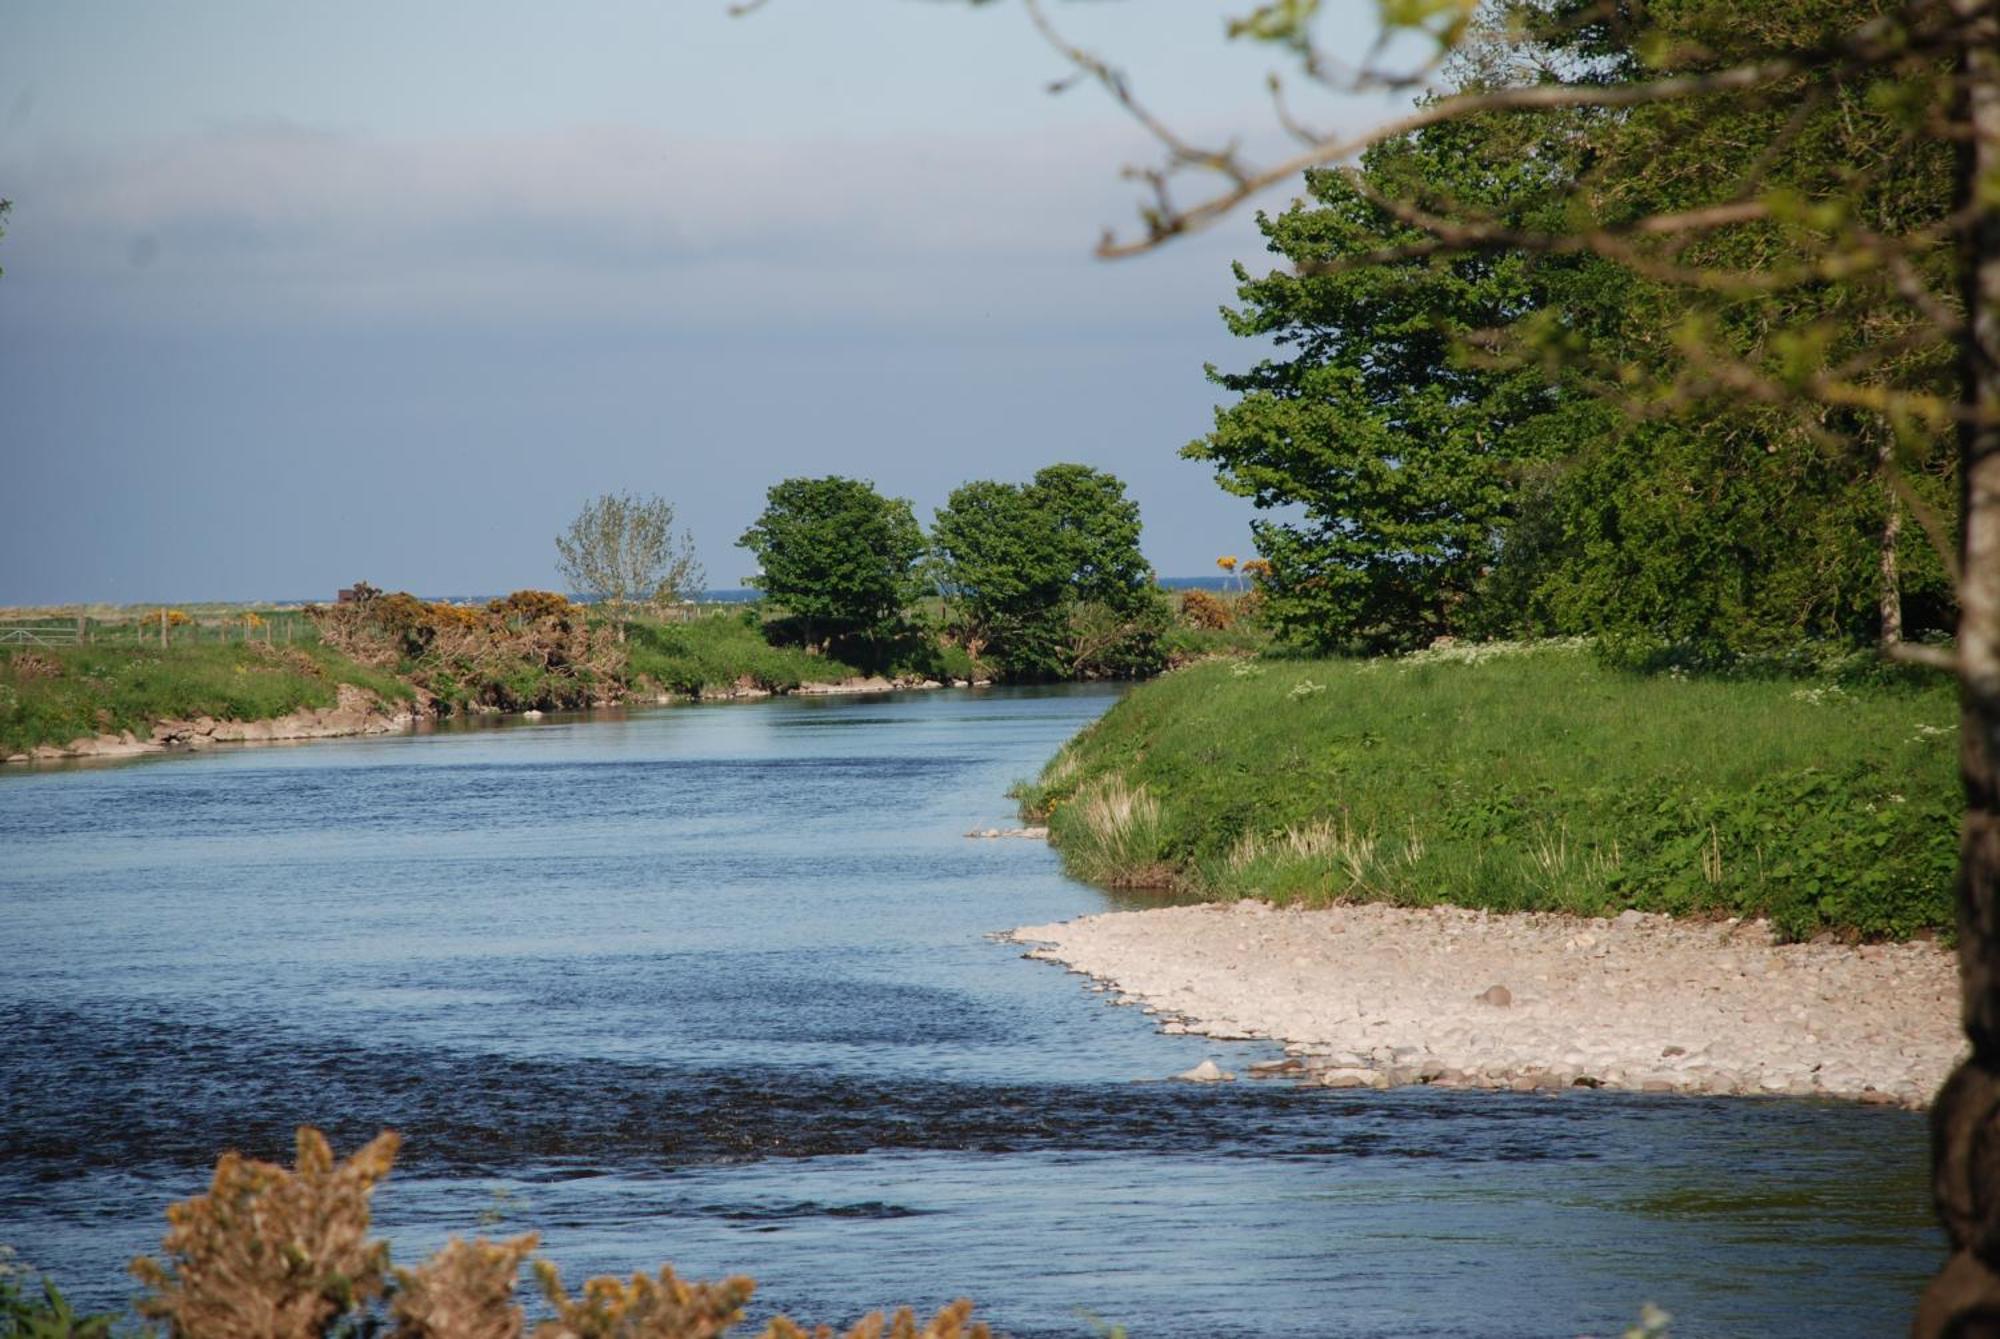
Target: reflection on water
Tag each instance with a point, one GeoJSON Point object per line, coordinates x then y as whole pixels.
{"type": "Point", "coordinates": [713, 985]}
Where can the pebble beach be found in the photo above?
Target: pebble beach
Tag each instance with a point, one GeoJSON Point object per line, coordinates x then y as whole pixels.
{"type": "Point", "coordinates": [1378, 996]}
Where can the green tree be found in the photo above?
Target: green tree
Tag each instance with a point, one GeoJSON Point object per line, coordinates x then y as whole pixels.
{"type": "Point", "coordinates": [1434, 401]}
{"type": "Point", "coordinates": [1096, 530]}
{"type": "Point", "coordinates": [839, 556]}
{"type": "Point", "coordinates": [1391, 457]}
{"type": "Point", "coordinates": [1925, 297]}
{"type": "Point", "coordinates": [1047, 577]}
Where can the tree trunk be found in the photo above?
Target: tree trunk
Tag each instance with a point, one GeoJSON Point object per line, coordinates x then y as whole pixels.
{"type": "Point", "coordinates": [1892, 530]}
{"type": "Point", "coordinates": [1964, 1299]}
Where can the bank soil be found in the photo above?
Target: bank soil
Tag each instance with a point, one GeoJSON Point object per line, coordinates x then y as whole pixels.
{"type": "Point", "coordinates": [1378, 996]}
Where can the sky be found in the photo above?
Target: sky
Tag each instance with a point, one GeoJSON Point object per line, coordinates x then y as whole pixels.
{"type": "Point", "coordinates": [296, 296]}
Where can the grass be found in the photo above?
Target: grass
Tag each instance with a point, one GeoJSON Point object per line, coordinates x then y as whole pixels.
{"type": "Point", "coordinates": [1522, 777]}
{"type": "Point", "coordinates": [716, 651]}
{"type": "Point", "coordinates": [1184, 645]}
{"type": "Point", "coordinates": [52, 695]}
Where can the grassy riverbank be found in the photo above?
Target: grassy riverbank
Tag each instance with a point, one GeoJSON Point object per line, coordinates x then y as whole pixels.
{"type": "Point", "coordinates": [1522, 778]}
{"type": "Point", "coordinates": [532, 649]}
{"type": "Point", "coordinates": [717, 652]}
{"type": "Point", "coordinates": [468, 660]}
{"type": "Point", "coordinates": [52, 695]}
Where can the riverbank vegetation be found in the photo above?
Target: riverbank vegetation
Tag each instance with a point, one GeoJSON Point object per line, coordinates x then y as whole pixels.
{"type": "Point", "coordinates": [1524, 777]}
{"type": "Point", "coordinates": [55, 694]}
{"type": "Point", "coordinates": [719, 653]}
{"type": "Point", "coordinates": [532, 650]}
{"type": "Point", "coordinates": [1484, 412]}
{"type": "Point", "coordinates": [285, 1252]}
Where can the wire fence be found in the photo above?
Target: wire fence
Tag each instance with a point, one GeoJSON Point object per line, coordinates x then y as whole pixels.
{"type": "Point", "coordinates": [162, 627]}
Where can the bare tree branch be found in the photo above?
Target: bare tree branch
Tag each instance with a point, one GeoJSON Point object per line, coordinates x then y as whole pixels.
{"type": "Point", "coordinates": [1882, 38]}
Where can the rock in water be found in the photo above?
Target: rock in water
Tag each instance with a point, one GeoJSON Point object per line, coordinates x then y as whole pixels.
{"type": "Point", "coordinates": [1206, 1072]}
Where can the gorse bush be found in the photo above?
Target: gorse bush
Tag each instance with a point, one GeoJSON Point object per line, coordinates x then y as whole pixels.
{"type": "Point", "coordinates": [1522, 777]}
{"type": "Point", "coordinates": [1202, 609]}
{"type": "Point", "coordinates": [533, 649]}
{"type": "Point", "coordinates": [284, 1253]}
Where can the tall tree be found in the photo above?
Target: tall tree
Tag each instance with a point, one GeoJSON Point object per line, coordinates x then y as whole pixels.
{"type": "Point", "coordinates": [1427, 400]}
{"type": "Point", "coordinates": [1391, 457]}
{"type": "Point", "coordinates": [1048, 576]}
{"type": "Point", "coordinates": [1690, 69]}
{"type": "Point", "coordinates": [623, 550]}
{"type": "Point", "coordinates": [837, 555]}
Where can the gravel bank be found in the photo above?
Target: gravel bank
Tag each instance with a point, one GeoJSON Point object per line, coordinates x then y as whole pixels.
{"type": "Point", "coordinates": [1375, 996]}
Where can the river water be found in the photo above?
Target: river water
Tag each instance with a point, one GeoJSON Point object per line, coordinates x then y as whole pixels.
{"type": "Point", "coordinates": [713, 985]}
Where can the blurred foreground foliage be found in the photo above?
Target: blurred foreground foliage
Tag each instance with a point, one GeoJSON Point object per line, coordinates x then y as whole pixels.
{"type": "Point", "coordinates": [284, 1253]}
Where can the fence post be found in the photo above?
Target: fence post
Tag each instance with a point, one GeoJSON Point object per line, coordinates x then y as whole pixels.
{"type": "Point", "coordinates": [82, 632]}
{"type": "Point", "coordinates": [163, 627]}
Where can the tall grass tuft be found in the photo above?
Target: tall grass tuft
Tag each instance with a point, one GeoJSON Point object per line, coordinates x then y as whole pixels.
{"type": "Point", "coordinates": [1114, 834]}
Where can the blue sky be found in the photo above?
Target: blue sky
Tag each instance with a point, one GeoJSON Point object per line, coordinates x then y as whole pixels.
{"type": "Point", "coordinates": [300, 295]}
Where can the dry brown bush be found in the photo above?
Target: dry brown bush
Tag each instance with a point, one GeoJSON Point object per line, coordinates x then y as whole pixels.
{"type": "Point", "coordinates": [532, 649]}
{"type": "Point", "coordinates": [1200, 609]}
{"type": "Point", "coordinates": [278, 1253]}
{"type": "Point", "coordinates": [34, 665]}
{"type": "Point", "coordinates": [270, 1251]}
{"type": "Point", "coordinates": [465, 1291]}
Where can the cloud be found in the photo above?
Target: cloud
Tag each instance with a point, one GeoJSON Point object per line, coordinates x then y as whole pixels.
{"type": "Point", "coordinates": [276, 225]}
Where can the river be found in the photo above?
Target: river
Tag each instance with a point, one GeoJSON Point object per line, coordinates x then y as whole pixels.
{"type": "Point", "coordinates": [713, 985]}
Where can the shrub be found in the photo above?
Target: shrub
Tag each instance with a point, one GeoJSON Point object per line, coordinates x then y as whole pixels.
{"type": "Point", "coordinates": [532, 649]}
{"type": "Point", "coordinates": [43, 1312]}
{"type": "Point", "coordinates": [284, 1254]}
{"type": "Point", "coordinates": [1201, 609]}
{"type": "Point", "coordinates": [269, 1251]}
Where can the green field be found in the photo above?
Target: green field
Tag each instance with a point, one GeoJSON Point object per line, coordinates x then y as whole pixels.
{"type": "Point", "coordinates": [1522, 777]}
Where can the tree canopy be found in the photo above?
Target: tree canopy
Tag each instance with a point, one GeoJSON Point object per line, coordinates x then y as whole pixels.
{"type": "Point", "coordinates": [1471, 428]}
{"type": "Point", "coordinates": [1048, 576]}
{"type": "Point", "coordinates": [838, 555]}
{"type": "Point", "coordinates": [623, 550]}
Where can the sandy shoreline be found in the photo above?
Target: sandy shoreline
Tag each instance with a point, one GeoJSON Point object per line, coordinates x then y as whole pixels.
{"type": "Point", "coordinates": [1374, 996]}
